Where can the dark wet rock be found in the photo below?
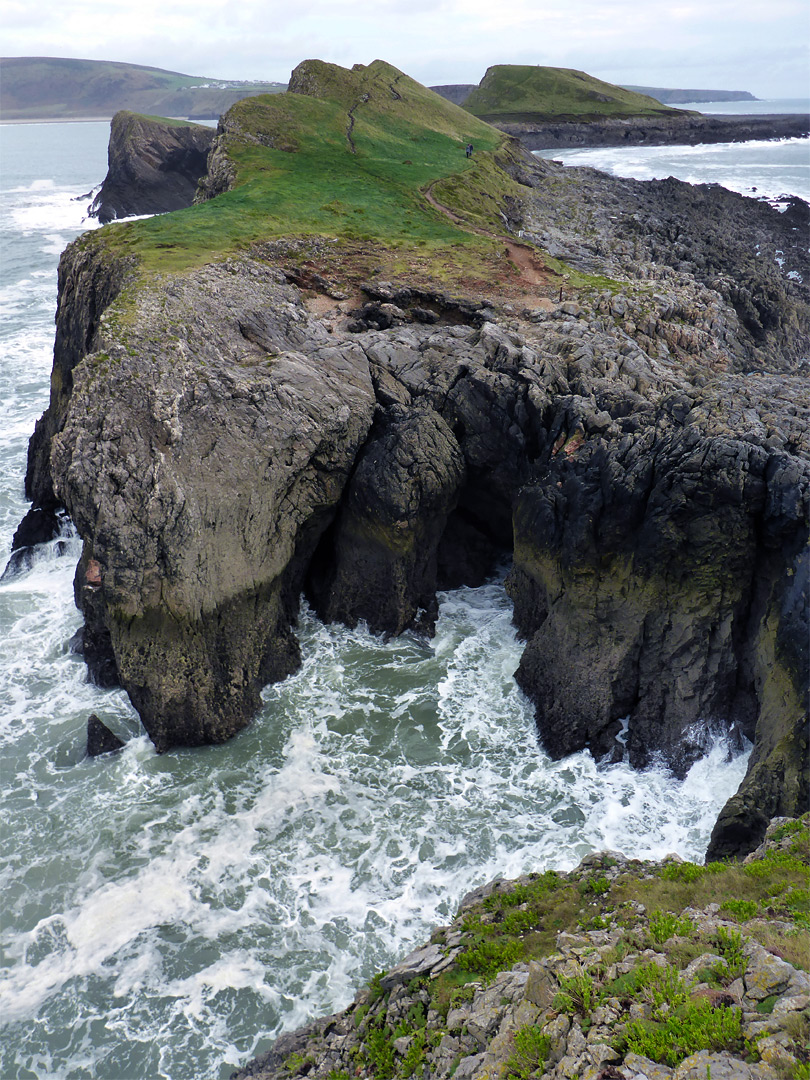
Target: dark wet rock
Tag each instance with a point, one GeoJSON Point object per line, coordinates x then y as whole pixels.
{"type": "Point", "coordinates": [153, 166]}
{"type": "Point", "coordinates": [381, 554]}
{"type": "Point", "coordinates": [100, 740]}
{"type": "Point", "coordinates": [683, 130]}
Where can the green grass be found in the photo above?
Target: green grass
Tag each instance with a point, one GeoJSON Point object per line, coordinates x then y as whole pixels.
{"type": "Point", "coordinates": [521, 92]}
{"type": "Point", "coordinates": [297, 173]}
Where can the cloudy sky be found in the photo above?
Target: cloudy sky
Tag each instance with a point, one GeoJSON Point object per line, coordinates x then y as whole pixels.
{"type": "Point", "coordinates": [719, 44]}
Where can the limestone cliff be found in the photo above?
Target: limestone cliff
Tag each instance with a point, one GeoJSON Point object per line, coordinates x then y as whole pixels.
{"type": "Point", "coordinates": [225, 439]}
{"type": "Point", "coordinates": [688, 130]}
{"type": "Point", "coordinates": [618, 970]}
{"type": "Point", "coordinates": [153, 166]}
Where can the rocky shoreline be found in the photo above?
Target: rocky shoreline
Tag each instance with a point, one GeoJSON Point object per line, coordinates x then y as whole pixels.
{"type": "Point", "coordinates": [688, 130]}
{"type": "Point", "coordinates": [618, 970]}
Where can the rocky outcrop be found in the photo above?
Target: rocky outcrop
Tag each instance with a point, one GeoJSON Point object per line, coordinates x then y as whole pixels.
{"type": "Point", "coordinates": [689, 97]}
{"type": "Point", "coordinates": [201, 489]}
{"type": "Point", "coordinates": [100, 740]}
{"type": "Point", "coordinates": [153, 166]}
{"type": "Point", "coordinates": [653, 131]}
{"type": "Point", "coordinates": [221, 447]}
{"type": "Point", "coordinates": [578, 975]}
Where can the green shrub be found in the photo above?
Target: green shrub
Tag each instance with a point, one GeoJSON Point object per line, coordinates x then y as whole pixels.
{"type": "Point", "coordinates": [690, 1027]}
{"type": "Point", "coordinates": [531, 1049]}
{"type": "Point", "coordinates": [578, 993]}
{"type": "Point", "coordinates": [490, 956]}
{"type": "Point", "coordinates": [664, 925]}
{"type": "Point", "coordinates": [686, 871]}
{"type": "Point", "coordinates": [596, 886]}
{"type": "Point", "coordinates": [729, 944]}
{"type": "Point", "coordinates": [379, 1049]}
{"type": "Point", "coordinates": [740, 909]}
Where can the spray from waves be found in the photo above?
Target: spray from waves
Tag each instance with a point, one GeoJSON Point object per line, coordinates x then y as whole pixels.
{"type": "Point", "coordinates": [197, 899]}
{"type": "Point", "coordinates": [766, 169]}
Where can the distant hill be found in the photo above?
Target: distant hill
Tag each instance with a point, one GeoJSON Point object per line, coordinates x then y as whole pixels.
{"type": "Point", "coordinates": [455, 92]}
{"type": "Point", "coordinates": [512, 93]}
{"type": "Point", "coordinates": [57, 88]}
{"type": "Point", "coordinates": [681, 97]}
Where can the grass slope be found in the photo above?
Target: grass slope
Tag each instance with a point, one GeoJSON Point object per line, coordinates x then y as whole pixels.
{"type": "Point", "coordinates": [348, 155]}
{"type": "Point", "coordinates": [512, 92]}
{"type": "Point", "coordinates": [43, 87]}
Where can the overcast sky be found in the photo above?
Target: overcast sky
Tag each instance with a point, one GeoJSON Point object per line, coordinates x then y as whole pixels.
{"type": "Point", "coordinates": [755, 45]}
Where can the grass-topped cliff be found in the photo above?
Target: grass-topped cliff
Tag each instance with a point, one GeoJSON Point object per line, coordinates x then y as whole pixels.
{"type": "Point", "coordinates": [521, 93]}
{"type": "Point", "coordinates": [347, 154]}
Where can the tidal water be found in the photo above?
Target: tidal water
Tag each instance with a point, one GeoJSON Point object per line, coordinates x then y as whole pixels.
{"type": "Point", "coordinates": [165, 917]}
{"type": "Point", "coordinates": [761, 169]}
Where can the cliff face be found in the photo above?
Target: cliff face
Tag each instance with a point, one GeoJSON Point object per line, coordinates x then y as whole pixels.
{"type": "Point", "coordinates": [153, 166]}
{"type": "Point", "coordinates": [224, 440]}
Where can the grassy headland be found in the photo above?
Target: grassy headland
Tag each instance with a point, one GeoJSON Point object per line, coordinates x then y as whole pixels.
{"type": "Point", "coordinates": [515, 93]}
{"type": "Point", "coordinates": [347, 156]}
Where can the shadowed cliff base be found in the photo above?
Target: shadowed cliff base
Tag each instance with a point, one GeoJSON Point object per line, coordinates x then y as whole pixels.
{"type": "Point", "coordinates": [366, 412]}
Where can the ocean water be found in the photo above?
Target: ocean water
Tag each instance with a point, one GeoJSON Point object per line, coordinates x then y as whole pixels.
{"type": "Point", "coordinates": [167, 916]}
{"type": "Point", "coordinates": [761, 169]}
{"type": "Point", "coordinates": [760, 107]}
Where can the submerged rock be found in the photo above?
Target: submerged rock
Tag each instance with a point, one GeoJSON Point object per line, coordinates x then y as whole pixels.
{"type": "Point", "coordinates": [100, 740]}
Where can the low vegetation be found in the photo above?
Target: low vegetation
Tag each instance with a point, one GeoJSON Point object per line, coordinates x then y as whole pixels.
{"type": "Point", "coordinates": [555, 973]}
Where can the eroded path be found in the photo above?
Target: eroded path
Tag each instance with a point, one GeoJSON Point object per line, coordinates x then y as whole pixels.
{"type": "Point", "coordinates": [530, 268]}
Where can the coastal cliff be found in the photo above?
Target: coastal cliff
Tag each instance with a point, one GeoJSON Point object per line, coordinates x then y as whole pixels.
{"type": "Point", "coordinates": [687, 129]}
{"type": "Point", "coordinates": [153, 166]}
{"type": "Point", "coordinates": [612, 387]}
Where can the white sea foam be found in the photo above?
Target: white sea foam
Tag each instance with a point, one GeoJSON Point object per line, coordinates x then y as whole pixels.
{"type": "Point", "coordinates": [759, 168]}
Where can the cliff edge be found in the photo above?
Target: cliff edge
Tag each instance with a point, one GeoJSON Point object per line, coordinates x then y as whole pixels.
{"type": "Point", "coordinates": [618, 970]}
{"type": "Point", "coordinates": [153, 166]}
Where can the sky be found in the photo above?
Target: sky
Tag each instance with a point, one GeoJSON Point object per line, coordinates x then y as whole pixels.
{"type": "Point", "coordinates": [749, 45]}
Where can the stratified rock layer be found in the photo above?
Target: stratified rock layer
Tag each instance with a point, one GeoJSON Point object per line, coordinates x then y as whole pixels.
{"type": "Point", "coordinates": [152, 166]}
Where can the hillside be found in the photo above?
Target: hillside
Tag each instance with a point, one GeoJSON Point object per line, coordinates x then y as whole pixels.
{"type": "Point", "coordinates": [618, 970]}
{"type": "Point", "coordinates": [57, 88]}
{"type": "Point", "coordinates": [517, 93]}
{"type": "Point", "coordinates": [344, 153]}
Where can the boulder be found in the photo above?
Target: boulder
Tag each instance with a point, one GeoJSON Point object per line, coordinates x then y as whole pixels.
{"type": "Point", "coordinates": [100, 740]}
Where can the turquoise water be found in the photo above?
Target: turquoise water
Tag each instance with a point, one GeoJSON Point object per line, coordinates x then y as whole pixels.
{"type": "Point", "coordinates": [167, 916]}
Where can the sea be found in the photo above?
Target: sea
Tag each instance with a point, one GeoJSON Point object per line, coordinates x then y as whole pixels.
{"type": "Point", "coordinates": [761, 168]}
{"type": "Point", "coordinates": [169, 916]}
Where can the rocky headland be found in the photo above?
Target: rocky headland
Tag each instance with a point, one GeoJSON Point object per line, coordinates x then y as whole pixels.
{"type": "Point", "coordinates": [153, 166]}
{"type": "Point", "coordinates": [614, 391]}
{"type": "Point", "coordinates": [683, 130]}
